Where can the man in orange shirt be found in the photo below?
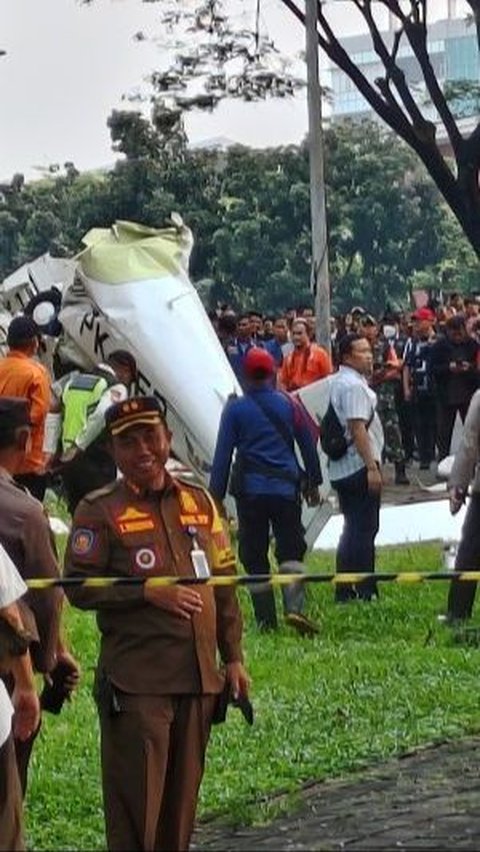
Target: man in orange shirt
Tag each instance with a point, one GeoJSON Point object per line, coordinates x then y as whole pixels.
{"type": "Point", "coordinates": [22, 376]}
{"type": "Point", "coordinates": [307, 363]}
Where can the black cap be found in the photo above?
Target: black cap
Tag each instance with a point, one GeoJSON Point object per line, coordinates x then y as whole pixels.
{"type": "Point", "coordinates": [14, 412]}
{"type": "Point", "coordinates": [21, 330]}
{"type": "Point", "coordinates": [137, 411]}
{"type": "Point", "coordinates": [122, 358]}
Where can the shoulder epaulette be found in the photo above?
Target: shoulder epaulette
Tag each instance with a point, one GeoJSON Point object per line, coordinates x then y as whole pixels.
{"type": "Point", "coordinates": [190, 483]}
{"type": "Point", "coordinates": [101, 492]}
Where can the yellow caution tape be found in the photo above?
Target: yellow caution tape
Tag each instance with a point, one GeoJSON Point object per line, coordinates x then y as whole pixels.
{"type": "Point", "coordinates": [409, 577]}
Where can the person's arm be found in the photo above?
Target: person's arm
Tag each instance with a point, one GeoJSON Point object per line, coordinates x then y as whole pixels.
{"type": "Point", "coordinates": [308, 449]}
{"type": "Point", "coordinates": [229, 617]}
{"type": "Point", "coordinates": [407, 372]}
{"type": "Point", "coordinates": [407, 382]}
{"type": "Point", "coordinates": [26, 704]}
{"type": "Point", "coordinates": [25, 699]}
{"type": "Point", "coordinates": [96, 420]}
{"type": "Point", "coordinates": [438, 361]}
{"type": "Point", "coordinates": [323, 363]}
{"type": "Point", "coordinates": [45, 604]}
{"type": "Point", "coordinates": [471, 365]}
{"type": "Point", "coordinates": [357, 411]}
{"type": "Point", "coordinates": [361, 440]}
{"type": "Point", "coordinates": [283, 374]}
{"type": "Point", "coordinates": [466, 457]}
{"type": "Point", "coordinates": [39, 396]}
{"type": "Point", "coordinates": [222, 459]}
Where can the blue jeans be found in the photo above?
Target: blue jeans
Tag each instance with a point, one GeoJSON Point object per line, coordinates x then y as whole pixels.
{"type": "Point", "coordinates": [356, 548]}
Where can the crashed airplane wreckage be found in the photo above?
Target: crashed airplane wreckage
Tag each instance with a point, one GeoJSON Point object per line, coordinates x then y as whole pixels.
{"type": "Point", "coordinates": [129, 289]}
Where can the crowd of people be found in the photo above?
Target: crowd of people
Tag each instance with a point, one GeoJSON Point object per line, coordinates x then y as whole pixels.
{"type": "Point", "coordinates": [426, 365]}
{"type": "Point", "coordinates": [397, 384]}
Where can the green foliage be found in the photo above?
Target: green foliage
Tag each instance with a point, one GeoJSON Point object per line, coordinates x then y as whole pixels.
{"type": "Point", "coordinates": [463, 97]}
{"type": "Point", "coordinates": [457, 270]}
{"type": "Point", "coordinates": [379, 680]}
{"type": "Point", "coordinates": [250, 212]}
{"type": "Point", "coordinates": [385, 217]}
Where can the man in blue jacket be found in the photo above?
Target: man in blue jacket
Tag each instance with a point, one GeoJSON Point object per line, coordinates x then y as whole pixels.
{"type": "Point", "coordinates": [263, 426]}
{"type": "Point", "coordinates": [238, 348]}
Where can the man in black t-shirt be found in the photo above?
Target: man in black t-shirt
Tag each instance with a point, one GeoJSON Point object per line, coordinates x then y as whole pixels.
{"type": "Point", "coordinates": [453, 366]}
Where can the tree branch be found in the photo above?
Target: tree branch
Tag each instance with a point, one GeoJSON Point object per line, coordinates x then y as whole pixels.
{"type": "Point", "coordinates": [393, 71]}
{"type": "Point", "coordinates": [415, 26]}
{"type": "Point", "coordinates": [417, 36]}
{"type": "Point", "coordinates": [294, 9]}
{"type": "Point", "coordinates": [388, 110]}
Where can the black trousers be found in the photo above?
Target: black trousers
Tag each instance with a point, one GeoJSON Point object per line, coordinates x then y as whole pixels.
{"type": "Point", "coordinates": [405, 421]}
{"type": "Point", "coordinates": [446, 415]}
{"type": "Point", "coordinates": [425, 425]}
{"type": "Point", "coordinates": [256, 516]}
{"type": "Point", "coordinates": [461, 596]}
{"type": "Point", "coordinates": [356, 548]}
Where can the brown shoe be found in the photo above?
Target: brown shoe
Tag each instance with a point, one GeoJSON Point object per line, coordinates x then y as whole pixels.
{"type": "Point", "coordinates": [303, 625]}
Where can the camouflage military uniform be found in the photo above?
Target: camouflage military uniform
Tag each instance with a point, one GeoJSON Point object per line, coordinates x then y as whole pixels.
{"type": "Point", "coordinates": [387, 409]}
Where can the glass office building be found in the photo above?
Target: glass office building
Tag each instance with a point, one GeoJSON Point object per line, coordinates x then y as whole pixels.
{"type": "Point", "coordinates": [454, 54]}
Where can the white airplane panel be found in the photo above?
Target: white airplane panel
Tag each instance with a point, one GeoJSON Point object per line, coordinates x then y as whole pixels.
{"type": "Point", "coordinates": [411, 524]}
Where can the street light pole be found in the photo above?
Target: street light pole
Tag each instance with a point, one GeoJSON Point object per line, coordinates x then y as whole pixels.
{"type": "Point", "coordinates": [319, 278]}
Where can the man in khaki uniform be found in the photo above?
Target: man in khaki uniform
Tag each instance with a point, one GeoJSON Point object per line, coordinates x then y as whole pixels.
{"type": "Point", "coordinates": [157, 681]}
{"type": "Point", "coordinates": [25, 535]}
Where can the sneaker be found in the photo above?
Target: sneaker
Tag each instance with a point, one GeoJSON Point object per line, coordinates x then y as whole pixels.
{"type": "Point", "coordinates": [450, 620]}
{"type": "Point", "coordinates": [303, 625]}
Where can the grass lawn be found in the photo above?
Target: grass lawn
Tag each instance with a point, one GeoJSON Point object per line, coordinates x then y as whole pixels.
{"type": "Point", "coordinates": [380, 679]}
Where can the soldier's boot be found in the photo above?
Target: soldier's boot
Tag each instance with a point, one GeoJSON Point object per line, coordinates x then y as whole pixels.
{"type": "Point", "coordinates": [401, 477]}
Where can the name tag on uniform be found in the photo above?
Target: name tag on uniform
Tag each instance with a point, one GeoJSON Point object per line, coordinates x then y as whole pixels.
{"type": "Point", "coordinates": [200, 564]}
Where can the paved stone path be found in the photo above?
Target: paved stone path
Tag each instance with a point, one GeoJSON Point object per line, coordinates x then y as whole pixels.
{"type": "Point", "coordinates": [426, 800]}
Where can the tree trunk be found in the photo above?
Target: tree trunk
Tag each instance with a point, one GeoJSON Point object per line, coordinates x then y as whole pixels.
{"type": "Point", "coordinates": [462, 194]}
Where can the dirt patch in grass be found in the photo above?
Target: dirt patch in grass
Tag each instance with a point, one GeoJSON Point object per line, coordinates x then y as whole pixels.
{"type": "Point", "coordinates": [429, 799]}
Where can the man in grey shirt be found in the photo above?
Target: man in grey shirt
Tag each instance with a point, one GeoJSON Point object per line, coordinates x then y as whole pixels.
{"type": "Point", "coordinates": [466, 469]}
{"type": "Point", "coordinates": [356, 476]}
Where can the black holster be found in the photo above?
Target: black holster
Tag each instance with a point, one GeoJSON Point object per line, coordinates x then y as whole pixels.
{"type": "Point", "coordinates": [105, 695]}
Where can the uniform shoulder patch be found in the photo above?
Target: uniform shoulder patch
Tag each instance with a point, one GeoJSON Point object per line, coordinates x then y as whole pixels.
{"type": "Point", "coordinates": [194, 503]}
{"type": "Point", "coordinates": [83, 540]}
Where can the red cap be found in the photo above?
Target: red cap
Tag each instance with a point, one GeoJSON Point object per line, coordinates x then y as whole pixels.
{"type": "Point", "coordinates": [258, 364]}
{"type": "Point", "coordinates": [424, 314]}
